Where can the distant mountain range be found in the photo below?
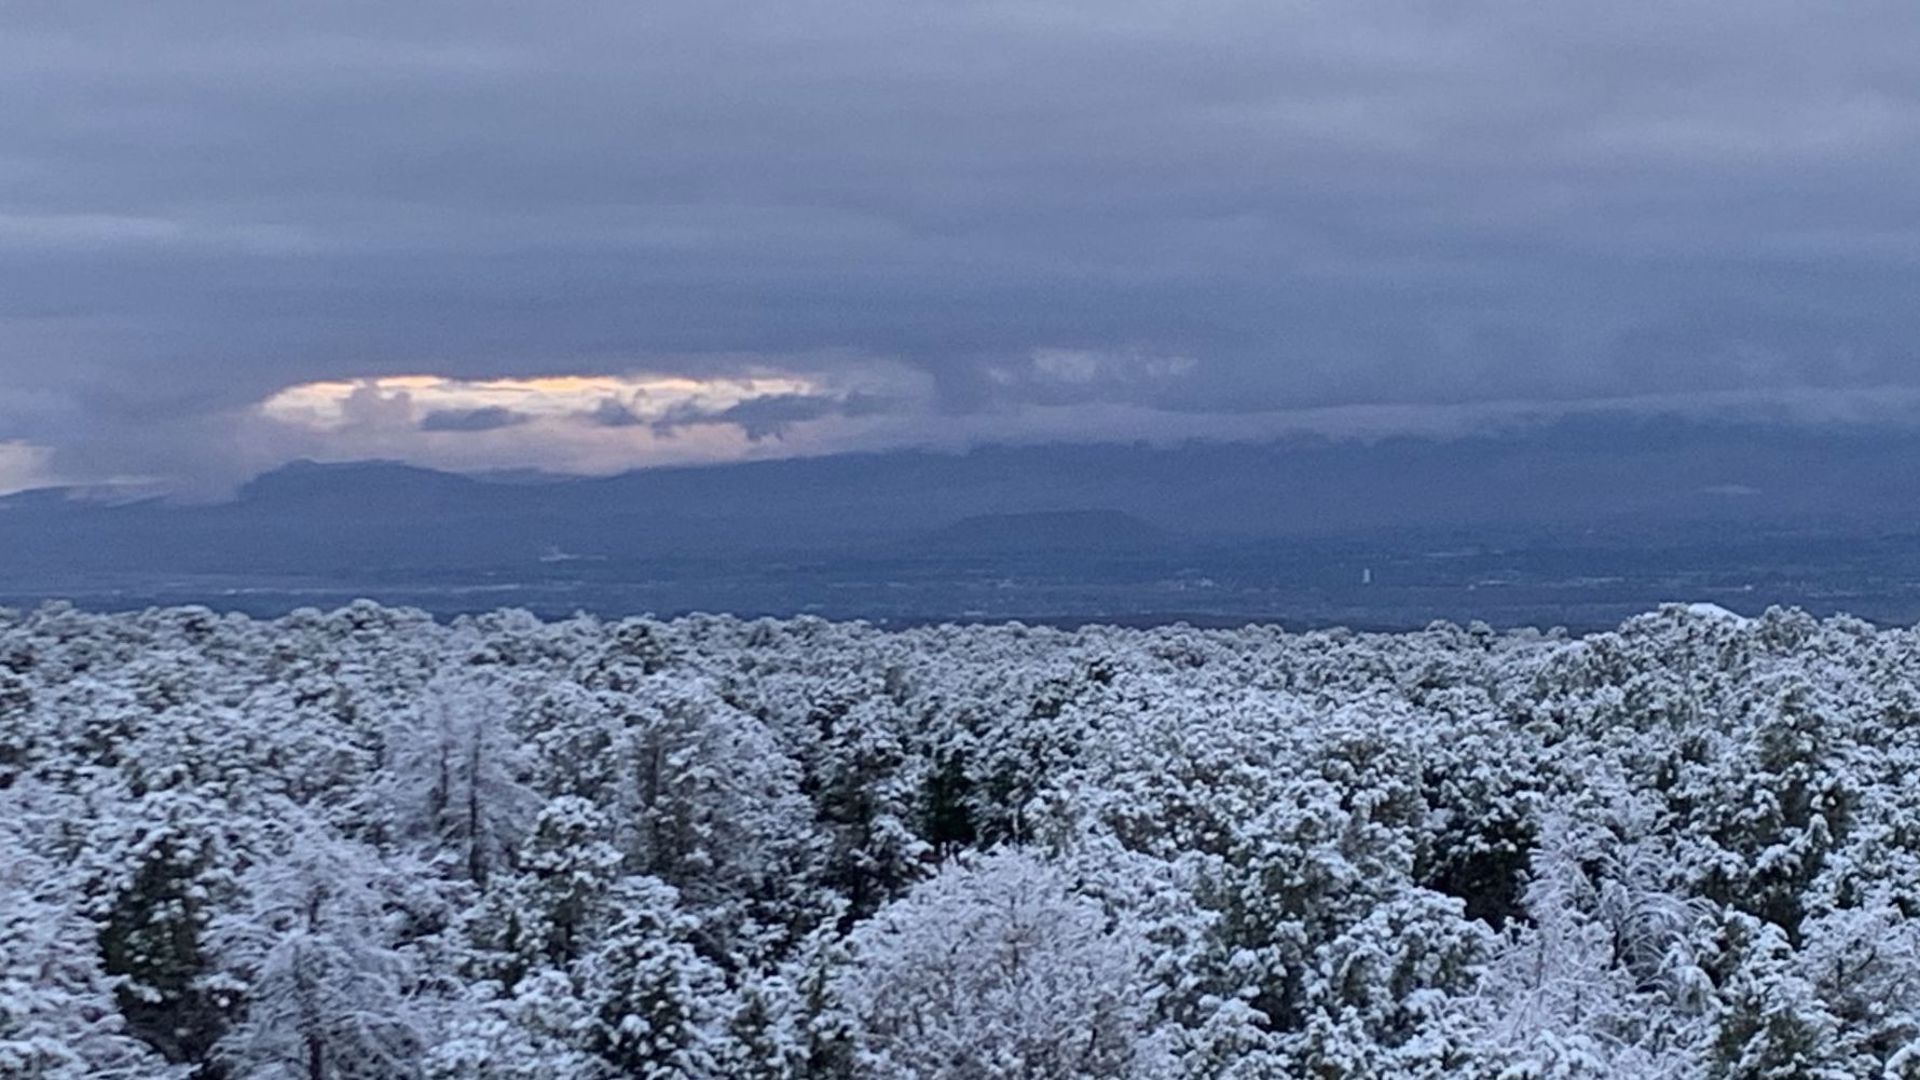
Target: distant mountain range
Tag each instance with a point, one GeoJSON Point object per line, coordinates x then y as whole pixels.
{"type": "Point", "coordinates": [1116, 515]}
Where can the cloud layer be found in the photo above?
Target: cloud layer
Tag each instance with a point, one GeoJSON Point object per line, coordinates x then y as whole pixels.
{"type": "Point", "coordinates": [1037, 214]}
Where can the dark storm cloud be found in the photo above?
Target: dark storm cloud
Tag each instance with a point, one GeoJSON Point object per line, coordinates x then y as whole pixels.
{"type": "Point", "coordinates": [1315, 205]}
{"type": "Point", "coordinates": [490, 418]}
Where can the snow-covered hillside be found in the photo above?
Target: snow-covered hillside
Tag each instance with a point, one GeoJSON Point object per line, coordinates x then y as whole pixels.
{"type": "Point", "coordinates": [366, 844]}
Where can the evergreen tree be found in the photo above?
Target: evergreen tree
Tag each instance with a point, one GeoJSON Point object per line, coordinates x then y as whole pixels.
{"type": "Point", "coordinates": [327, 995]}
{"type": "Point", "coordinates": [996, 968]}
{"type": "Point", "coordinates": [58, 1016]}
{"type": "Point", "coordinates": [163, 868]}
{"type": "Point", "coordinates": [657, 1009]}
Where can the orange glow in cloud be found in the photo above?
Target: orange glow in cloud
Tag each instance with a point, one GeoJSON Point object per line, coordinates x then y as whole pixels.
{"type": "Point", "coordinates": [566, 423]}
{"type": "Point", "coordinates": [403, 400]}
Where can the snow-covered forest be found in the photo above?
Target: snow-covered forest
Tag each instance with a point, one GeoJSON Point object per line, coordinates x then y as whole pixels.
{"type": "Point", "coordinates": [366, 844]}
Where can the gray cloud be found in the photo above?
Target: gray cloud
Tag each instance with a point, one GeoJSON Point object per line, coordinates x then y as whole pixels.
{"type": "Point", "coordinates": [612, 413]}
{"type": "Point", "coordinates": [769, 415]}
{"type": "Point", "coordinates": [1365, 205]}
{"type": "Point", "coordinates": [490, 418]}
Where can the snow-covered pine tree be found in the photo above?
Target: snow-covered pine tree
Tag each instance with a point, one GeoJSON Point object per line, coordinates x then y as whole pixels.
{"type": "Point", "coordinates": [996, 968]}
{"type": "Point", "coordinates": [58, 1016]}
{"type": "Point", "coordinates": [457, 776]}
{"type": "Point", "coordinates": [327, 995]}
{"type": "Point", "coordinates": [656, 1009]}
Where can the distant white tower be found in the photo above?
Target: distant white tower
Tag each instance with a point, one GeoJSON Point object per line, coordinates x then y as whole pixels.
{"type": "Point", "coordinates": [1366, 576]}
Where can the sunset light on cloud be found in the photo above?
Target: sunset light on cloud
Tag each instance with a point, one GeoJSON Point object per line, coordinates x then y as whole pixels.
{"type": "Point", "coordinates": [763, 407]}
{"type": "Point", "coordinates": [412, 399]}
{"type": "Point", "coordinates": [441, 232]}
{"type": "Point", "coordinates": [568, 423]}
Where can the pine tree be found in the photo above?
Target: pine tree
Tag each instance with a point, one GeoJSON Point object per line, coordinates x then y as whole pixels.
{"type": "Point", "coordinates": [996, 968]}
{"type": "Point", "coordinates": [530, 1034]}
{"type": "Point", "coordinates": [58, 1017]}
{"type": "Point", "coordinates": [1772, 1024]}
{"type": "Point", "coordinates": [328, 996]}
{"type": "Point", "coordinates": [657, 1009]}
{"type": "Point", "coordinates": [162, 870]}
{"type": "Point", "coordinates": [456, 777]}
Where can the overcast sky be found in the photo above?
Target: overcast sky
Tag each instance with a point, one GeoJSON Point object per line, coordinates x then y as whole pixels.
{"type": "Point", "coordinates": [233, 234]}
